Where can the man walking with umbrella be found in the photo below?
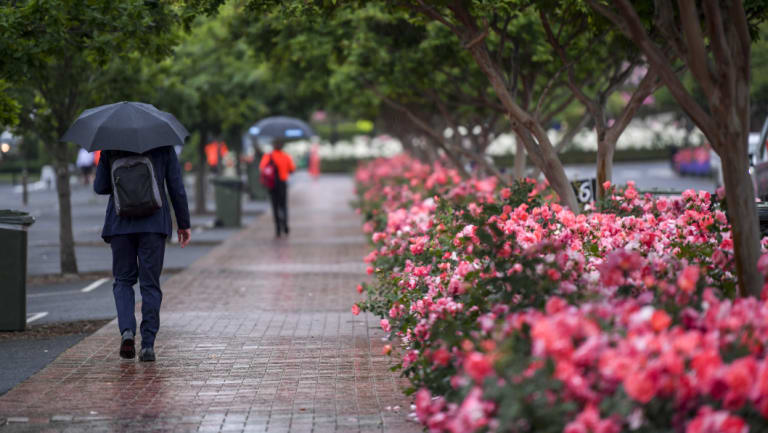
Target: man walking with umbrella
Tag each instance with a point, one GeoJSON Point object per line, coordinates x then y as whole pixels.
{"type": "Point", "coordinates": [137, 163]}
{"type": "Point", "coordinates": [282, 166]}
{"type": "Point", "coordinates": [275, 167]}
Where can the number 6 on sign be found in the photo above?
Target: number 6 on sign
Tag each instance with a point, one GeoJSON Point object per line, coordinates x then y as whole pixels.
{"type": "Point", "coordinates": [584, 189]}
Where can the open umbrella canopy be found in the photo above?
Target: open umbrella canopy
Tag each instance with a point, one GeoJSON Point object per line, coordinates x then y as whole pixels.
{"type": "Point", "coordinates": [282, 127]}
{"type": "Point", "coordinates": [129, 126]}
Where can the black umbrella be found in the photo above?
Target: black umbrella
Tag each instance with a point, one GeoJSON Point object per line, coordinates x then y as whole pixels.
{"type": "Point", "coordinates": [130, 126]}
{"type": "Point", "coordinates": [282, 127]}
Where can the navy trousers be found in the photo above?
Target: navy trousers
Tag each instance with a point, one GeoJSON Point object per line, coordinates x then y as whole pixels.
{"type": "Point", "coordinates": [279, 196]}
{"type": "Point", "coordinates": [138, 256]}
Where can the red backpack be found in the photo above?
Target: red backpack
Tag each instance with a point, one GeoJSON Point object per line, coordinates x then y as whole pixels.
{"type": "Point", "coordinates": [268, 174]}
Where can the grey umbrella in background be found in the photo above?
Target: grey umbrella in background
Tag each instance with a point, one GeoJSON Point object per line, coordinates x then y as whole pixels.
{"type": "Point", "coordinates": [130, 126]}
{"type": "Point", "coordinates": [282, 127]}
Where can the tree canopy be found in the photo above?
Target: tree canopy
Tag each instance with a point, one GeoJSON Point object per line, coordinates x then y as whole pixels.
{"type": "Point", "coordinates": [55, 54]}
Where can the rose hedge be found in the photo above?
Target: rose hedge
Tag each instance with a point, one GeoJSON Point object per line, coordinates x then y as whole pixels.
{"type": "Point", "coordinates": [514, 314]}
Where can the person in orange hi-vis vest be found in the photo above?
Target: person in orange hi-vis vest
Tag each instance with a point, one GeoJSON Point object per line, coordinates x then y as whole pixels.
{"type": "Point", "coordinates": [279, 193]}
{"type": "Point", "coordinates": [213, 150]}
{"type": "Point", "coordinates": [314, 161]}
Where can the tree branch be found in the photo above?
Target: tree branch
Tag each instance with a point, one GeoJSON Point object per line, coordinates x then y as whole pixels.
{"type": "Point", "coordinates": [432, 13]}
{"type": "Point", "coordinates": [490, 168]}
{"type": "Point", "coordinates": [646, 87]}
{"type": "Point", "coordinates": [591, 106]}
{"type": "Point", "coordinates": [558, 109]}
{"type": "Point", "coordinates": [503, 38]}
{"type": "Point", "coordinates": [616, 80]}
{"type": "Point", "coordinates": [697, 52]}
{"type": "Point", "coordinates": [566, 139]}
{"type": "Point", "coordinates": [530, 145]}
{"type": "Point", "coordinates": [421, 124]}
{"type": "Point", "coordinates": [545, 92]}
{"type": "Point", "coordinates": [739, 20]}
{"type": "Point", "coordinates": [631, 25]}
{"type": "Point", "coordinates": [725, 69]}
{"type": "Point", "coordinates": [477, 39]}
{"type": "Point", "coordinates": [664, 20]}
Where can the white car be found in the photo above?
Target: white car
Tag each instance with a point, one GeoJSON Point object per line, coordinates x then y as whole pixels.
{"type": "Point", "coordinates": [758, 164]}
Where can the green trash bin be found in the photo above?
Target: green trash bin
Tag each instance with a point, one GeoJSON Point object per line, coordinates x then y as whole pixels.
{"type": "Point", "coordinates": [13, 269]}
{"type": "Point", "coordinates": [228, 201]}
{"type": "Point", "coordinates": [255, 189]}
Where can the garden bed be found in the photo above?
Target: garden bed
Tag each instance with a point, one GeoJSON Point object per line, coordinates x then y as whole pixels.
{"type": "Point", "coordinates": [507, 312]}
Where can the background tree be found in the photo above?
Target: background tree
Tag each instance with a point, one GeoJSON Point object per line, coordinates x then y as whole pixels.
{"type": "Point", "coordinates": [9, 108]}
{"type": "Point", "coordinates": [214, 85]}
{"type": "Point", "coordinates": [583, 45]}
{"type": "Point", "coordinates": [56, 51]}
{"type": "Point", "coordinates": [713, 39]}
{"type": "Point", "coordinates": [373, 56]}
{"type": "Point", "coordinates": [469, 21]}
{"type": "Point", "coordinates": [759, 84]}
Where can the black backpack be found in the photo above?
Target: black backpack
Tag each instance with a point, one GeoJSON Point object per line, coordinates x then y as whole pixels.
{"type": "Point", "coordinates": [134, 185]}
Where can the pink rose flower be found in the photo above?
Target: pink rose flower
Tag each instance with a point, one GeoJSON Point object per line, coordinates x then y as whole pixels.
{"type": "Point", "coordinates": [478, 366]}
{"type": "Point", "coordinates": [688, 278]}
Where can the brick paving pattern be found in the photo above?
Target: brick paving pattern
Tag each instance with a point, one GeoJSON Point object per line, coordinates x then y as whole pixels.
{"type": "Point", "coordinates": [255, 336]}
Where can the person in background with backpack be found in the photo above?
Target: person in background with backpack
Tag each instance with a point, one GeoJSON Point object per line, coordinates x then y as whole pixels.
{"type": "Point", "coordinates": [137, 222]}
{"type": "Point", "coordinates": [275, 168]}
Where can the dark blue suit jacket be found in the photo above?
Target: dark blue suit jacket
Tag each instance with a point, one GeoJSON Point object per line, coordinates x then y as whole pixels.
{"type": "Point", "coordinates": [167, 172]}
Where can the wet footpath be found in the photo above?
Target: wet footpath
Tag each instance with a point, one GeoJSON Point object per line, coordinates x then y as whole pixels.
{"type": "Point", "coordinates": [255, 336]}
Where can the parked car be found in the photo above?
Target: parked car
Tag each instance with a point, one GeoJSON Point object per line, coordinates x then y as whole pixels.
{"type": "Point", "coordinates": [693, 161]}
{"type": "Point", "coordinates": [758, 163]}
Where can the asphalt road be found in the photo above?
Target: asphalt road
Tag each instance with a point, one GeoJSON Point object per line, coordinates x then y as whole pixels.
{"type": "Point", "coordinates": [647, 175]}
{"type": "Point", "coordinates": [70, 301]}
{"type": "Point", "coordinates": [23, 358]}
{"type": "Point", "coordinates": [93, 254]}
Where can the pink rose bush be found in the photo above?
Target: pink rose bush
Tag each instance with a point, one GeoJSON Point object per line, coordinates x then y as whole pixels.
{"type": "Point", "coordinates": [511, 313]}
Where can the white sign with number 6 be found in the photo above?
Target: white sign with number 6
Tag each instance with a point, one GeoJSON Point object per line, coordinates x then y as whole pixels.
{"type": "Point", "coordinates": [585, 193]}
{"type": "Point", "coordinates": [585, 189]}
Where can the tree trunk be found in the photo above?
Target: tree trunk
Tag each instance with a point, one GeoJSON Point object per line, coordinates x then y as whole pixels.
{"type": "Point", "coordinates": [566, 139]}
{"type": "Point", "coordinates": [739, 189]}
{"type": "Point", "coordinates": [202, 168]}
{"type": "Point", "coordinates": [68, 260]}
{"type": "Point", "coordinates": [484, 167]}
{"type": "Point", "coordinates": [452, 157]}
{"type": "Point", "coordinates": [408, 147]}
{"type": "Point", "coordinates": [605, 151]}
{"type": "Point", "coordinates": [519, 172]}
{"type": "Point", "coordinates": [428, 151]}
{"type": "Point", "coordinates": [727, 93]}
{"type": "Point", "coordinates": [742, 214]}
{"type": "Point", "coordinates": [24, 185]}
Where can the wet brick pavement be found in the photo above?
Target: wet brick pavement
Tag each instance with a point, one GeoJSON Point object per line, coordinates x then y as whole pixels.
{"type": "Point", "coordinates": [255, 336]}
